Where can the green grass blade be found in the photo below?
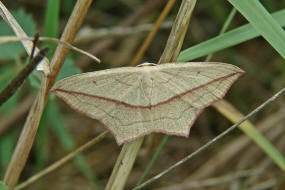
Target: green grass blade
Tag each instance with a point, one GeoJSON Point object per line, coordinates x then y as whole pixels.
{"type": "Point", "coordinates": [51, 22]}
{"type": "Point", "coordinates": [41, 143]}
{"type": "Point", "coordinates": [228, 39]}
{"type": "Point", "coordinates": [153, 159]}
{"type": "Point", "coordinates": [68, 5]}
{"type": "Point", "coordinates": [263, 22]}
{"type": "Point", "coordinates": [6, 149]}
{"type": "Point", "coordinates": [224, 28]}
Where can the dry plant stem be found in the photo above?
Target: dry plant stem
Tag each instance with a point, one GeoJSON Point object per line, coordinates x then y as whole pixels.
{"type": "Point", "coordinates": [11, 21]}
{"type": "Point", "coordinates": [212, 182]}
{"type": "Point", "coordinates": [71, 47]}
{"type": "Point", "coordinates": [62, 161]}
{"type": "Point", "coordinates": [153, 32]}
{"type": "Point", "coordinates": [29, 131]}
{"type": "Point", "coordinates": [68, 36]}
{"type": "Point", "coordinates": [89, 34]}
{"type": "Point", "coordinates": [214, 140]}
{"type": "Point", "coordinates": [13, 86]}
{"type": "Point", "coordinates": [35, 40]}
{"type": "Point", "coordinates": [124, 165]}
{"type": "Point", "coordinates": [177, 35]}
{"type": "Point", "coordinates": [25, 142]}
{"type": "Point", "coordinates": [5, 39]}
{"type": "Point", "coordinates": [174, 43]}
{"type": "Point", "coordinates": [268, 184]}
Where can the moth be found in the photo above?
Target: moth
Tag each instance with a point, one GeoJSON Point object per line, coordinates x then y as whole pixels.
{"type": "Point", "coordinates": [134, 101]}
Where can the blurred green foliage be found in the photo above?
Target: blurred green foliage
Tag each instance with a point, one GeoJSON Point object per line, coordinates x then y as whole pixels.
{"type": "Point", "coordinates": [13, 50]}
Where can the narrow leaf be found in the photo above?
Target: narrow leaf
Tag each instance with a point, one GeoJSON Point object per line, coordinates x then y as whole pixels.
{"type": "Point", "coordinates": [263, 23]}
{"type": "Point", "coordinates": [228, 39]}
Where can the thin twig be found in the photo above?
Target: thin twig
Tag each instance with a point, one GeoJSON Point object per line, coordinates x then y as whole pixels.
{"type": "Point", "coordinates": [35, 41]}
{"type": "Point", "coordinates": [214, 140]}
{"type": "Point", "coordinates": [268, 184]}
{"type": "Point", "coordinates": [62, 161]}
{"type": "Point", "coordinates": [5, 39]}
{"type": "Point", "coordinates": [213, 181]}
{"type": "Point", "coordinates": [178, 31]}
{"type": "Point", "coordinates": [85, 35]}
{"type": "Point", "coordinates": [71, 47]}
{"type": "Point", "coordinates": [12, 87]}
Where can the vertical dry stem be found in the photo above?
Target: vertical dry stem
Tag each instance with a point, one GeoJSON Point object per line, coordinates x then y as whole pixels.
{"type": "Point", "coordinates": [121, 170]}
{"type": "Point", "coordinates": [124, 165]}
{"type": "Point", "coordinates": [29, 131]}
{"type": "Point", "coordinates": [178, 31]}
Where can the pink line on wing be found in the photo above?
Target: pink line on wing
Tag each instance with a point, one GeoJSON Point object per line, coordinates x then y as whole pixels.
{"type": "Point", "coordinates": [122, 141]}
{"type": "Point", "coordinates": [145, 107]}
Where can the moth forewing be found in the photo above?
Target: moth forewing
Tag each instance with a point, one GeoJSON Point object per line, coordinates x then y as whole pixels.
{"type": "Point", "coordinates": [135, 101]}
